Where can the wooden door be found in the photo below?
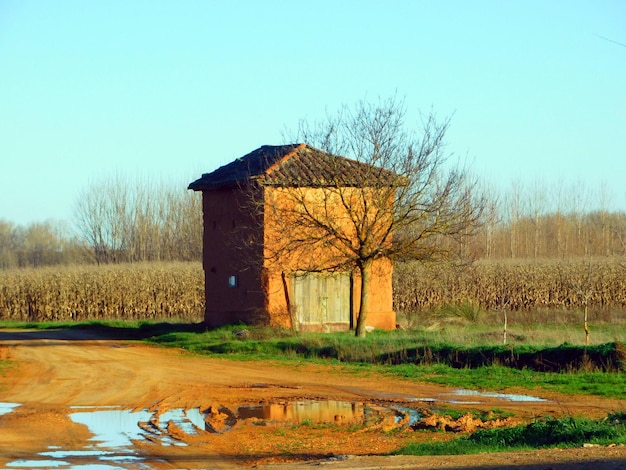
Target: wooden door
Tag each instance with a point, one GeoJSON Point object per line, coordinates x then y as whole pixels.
{"type": "Point", "coordinates": [321, 298]}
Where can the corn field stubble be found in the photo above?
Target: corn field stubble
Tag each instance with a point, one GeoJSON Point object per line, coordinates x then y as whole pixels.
{"type": "Point", "coordinates": [142, 291]}
{"type": "Point", "coordinates": [543, 301]}
{"type": "Point", "coordinates": [524, 285]}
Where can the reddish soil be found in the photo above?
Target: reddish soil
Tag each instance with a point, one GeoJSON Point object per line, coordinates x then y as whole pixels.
{"type": "Point", "coordinates": [52, 372]}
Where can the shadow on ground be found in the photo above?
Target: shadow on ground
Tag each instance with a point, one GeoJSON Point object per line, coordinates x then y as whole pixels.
{"type": "Point", "coordinates": [99, 331]}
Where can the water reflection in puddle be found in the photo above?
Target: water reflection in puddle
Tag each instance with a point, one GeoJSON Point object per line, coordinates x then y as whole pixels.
{"type": "Point", "coordinates": [112, 428]}
{"type": "Point", "coordinates": [118, 427]}
{"type": "Point", "coordinates": [116, 430]}
{"type": "Point", "coordinates": [7, 407]}
{"type": "Point", "coordinates": [313, 411]}
{"type": "Point", "coordinates": [461, 392]}
{"type": "Point", "coordinates": [189, 421]}
{"type": "Point", "coordinates": [37, 463]}
{"type": "Point", "coordinates": [324, 412]}
{"type": "Point", "coordinates": [500, 396]}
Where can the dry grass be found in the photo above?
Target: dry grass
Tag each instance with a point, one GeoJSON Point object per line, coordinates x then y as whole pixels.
{"type": "Point", "coordinates": [147, 291]}
{"type": "Point", "coordinates": [489, 330]}
{"type": "Point", "coordinates": [544, 302]}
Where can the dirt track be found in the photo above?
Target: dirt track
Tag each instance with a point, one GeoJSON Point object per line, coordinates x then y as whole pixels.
{"type": "Point", "coordinates": [57, 375]}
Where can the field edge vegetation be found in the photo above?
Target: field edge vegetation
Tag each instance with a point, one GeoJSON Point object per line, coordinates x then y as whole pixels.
{"type": "Point", "coordinates": [542, 433]}
{"type": "Point", "coordinates": [371, 354]}
{"type": "Point", "coordinates": [436, 295]}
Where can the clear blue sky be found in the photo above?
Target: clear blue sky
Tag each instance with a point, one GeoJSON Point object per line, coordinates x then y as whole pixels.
{"type": "Point", "coordinates": [172, 89]}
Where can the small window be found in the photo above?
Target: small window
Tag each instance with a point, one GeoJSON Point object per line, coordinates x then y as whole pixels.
{"type": "Point", "coordinates": [233, 281]}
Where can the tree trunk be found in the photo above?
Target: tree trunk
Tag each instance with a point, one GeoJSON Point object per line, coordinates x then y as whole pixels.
{"type": "Point", "coordinates": [365, 270]}
{"type": "Point", "coordinates": [505, 327]}
{"type": "Point", "coordinates": [585, 323]}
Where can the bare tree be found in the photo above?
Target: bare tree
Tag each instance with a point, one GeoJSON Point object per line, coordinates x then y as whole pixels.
{"type": "Point", "coordinates": [514, 208]}
{"type": "Point", "coordinates": [402, 196]}
{"type": "Point", "coordinates": [491, 219]}
{"type": "Point", "coordinates": [559, 235]}
{"type": "Point", "coordinates": [605, 196]}
{"type": "Point", "coordinates": [537, 210]}
{"type": "Point", "coordinates": [580, 201]}
{"type": "Point", "coordinates": [8, 255]}
{"type": "Point", "coordinates": [101, 217]}
{"type": "Point", "coordinates": [122, 221]}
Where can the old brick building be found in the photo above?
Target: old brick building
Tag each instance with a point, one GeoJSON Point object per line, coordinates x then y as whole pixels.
{"type": "Point", "coordinates": [243, 283]}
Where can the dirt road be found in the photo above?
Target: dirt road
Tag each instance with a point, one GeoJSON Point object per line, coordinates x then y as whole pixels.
{"type": "Point", "coordinates": [72, 399]}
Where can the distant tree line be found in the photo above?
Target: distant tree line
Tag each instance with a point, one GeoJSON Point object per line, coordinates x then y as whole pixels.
{"type": "Point", "coordinates": [131, 221]}
{"type": "Point", "coordinates": [116, 220]}
{"type": "Point", "coordinates": [38, 244]}
{"type": "Point", "coordinates": [541, 221]}
{"type": "Point", "coordinates": [556, 235]}
{"type": "Point", "coordinates": [122, 220]}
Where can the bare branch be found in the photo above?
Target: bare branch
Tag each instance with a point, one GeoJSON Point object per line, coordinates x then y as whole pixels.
{"type": "Point", "coordinates": [404, 198]}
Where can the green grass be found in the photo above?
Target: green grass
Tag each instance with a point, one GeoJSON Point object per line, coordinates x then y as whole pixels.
{"type": "Point", "coordinates": [373, 353]}
{"type": "Point", "coordinates": [408, 354]}
{"type": "Point", "coordinates": [498, 378]}
{"type": "Point", "coordinates": [468, 325]}
{"type": "Point", "coordinates": [414, 355]}
{"type": "Point", "coordinates": [541, 433]}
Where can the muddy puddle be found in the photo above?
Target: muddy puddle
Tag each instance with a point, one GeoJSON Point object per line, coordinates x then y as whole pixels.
{"type": "Point", "coordinates": [500, 396]}
{"type": "Point", "coordinates": [116, 431]}
{"type": "Point", "coordinates": [7, 407]}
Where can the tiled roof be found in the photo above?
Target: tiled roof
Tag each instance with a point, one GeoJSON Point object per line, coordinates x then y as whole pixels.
{"type": "Point", "coordinates": [295, 165]}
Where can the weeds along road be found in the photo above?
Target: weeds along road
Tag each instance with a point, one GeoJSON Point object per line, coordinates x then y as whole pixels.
{"type": "Point", "coordinates": [56, 378]}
